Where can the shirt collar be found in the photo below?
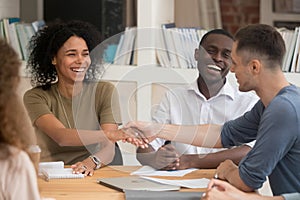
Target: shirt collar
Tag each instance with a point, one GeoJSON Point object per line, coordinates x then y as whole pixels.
{"type": "Point", "coordinates": [227, 90]}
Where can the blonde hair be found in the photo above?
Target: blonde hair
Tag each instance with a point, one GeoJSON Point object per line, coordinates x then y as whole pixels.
{"type": "Point", "coordinates": [14, 123]}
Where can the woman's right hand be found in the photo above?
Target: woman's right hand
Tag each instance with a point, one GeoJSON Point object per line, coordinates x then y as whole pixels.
{"type": "Point", "coordinates": [127, 136]}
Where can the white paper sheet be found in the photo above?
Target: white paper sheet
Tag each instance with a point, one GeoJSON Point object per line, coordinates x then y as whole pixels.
{"type": "Point", "coordinates": [188, 183]}
{"type": "Point", "coordinates": [149, 171]}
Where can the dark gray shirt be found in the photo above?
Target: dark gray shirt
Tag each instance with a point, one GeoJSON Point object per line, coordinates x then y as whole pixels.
{"type": "Point", "coordinates": [276, 153]}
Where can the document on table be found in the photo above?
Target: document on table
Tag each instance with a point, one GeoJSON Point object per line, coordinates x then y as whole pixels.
{"type": "Point", "coordinates": [187, 183]}
{"type": "Point", "coordinates": [149, 171]}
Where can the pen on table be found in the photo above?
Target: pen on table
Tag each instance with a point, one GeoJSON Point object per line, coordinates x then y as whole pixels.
{"type": "Point", "coordinates": [216, 176]}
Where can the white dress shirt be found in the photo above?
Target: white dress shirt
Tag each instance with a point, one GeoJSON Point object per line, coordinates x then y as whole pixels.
{"type": "Point", "coordinates": [187, 106]}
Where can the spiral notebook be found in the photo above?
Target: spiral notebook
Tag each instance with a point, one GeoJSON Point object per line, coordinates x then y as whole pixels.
{"type": "Point", "coordinates": [60, 173]}
{"type": "Point", "coordinates": [56, 170]}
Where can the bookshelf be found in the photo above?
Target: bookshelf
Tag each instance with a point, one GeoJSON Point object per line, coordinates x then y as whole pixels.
{"type": "Point", "coordinates": [142, 77]}
{"type": "Point", "coordinates": [269, 16]}
{"type": "Point", "coordinates": [152, 14]}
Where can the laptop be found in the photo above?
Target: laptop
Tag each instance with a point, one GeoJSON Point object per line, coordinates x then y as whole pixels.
{"type": "Point", "coordinates": [135, 183]}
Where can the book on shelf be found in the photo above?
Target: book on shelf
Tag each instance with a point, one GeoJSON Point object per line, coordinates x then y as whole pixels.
{"type": "Point", "coordinates": [38, 24]}
{"type": "Point", "coordinates": [6, 22]}
{"type": "Point", "coordinates": [125, 49]}
{"type": "Point", "coordinates": [18, 33]}
{"type": "Point", "coordinates": [291, 58]}
{"type": "Point", "coordinates": [174, 47]}
{"type": "Point", "coordinates": [110, 53]}
{"type": "Point", "coordinates": [11, 34]}
{"type": "Point", "coordinates": [169, 44]}
{"type": "Point", "coordinates": [23, 39]}
{"type": "Point", "coordinates": [180, 44]}
{"type": "Point", "coordinates": [162, 55]}
{"type": "Point", "coordinates": [295, 61]}
{"type": "Point", "coordinates": [2, 35]}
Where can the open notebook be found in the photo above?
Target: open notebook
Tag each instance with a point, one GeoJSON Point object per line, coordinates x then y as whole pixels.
{"type": "Point", "coordinates": [56, 170]}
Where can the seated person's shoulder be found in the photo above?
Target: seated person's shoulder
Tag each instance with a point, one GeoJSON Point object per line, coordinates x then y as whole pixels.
{"type": "Point", "coordinates": [36, 92]}
{"type": "Point", "coordinates": [105, 86]}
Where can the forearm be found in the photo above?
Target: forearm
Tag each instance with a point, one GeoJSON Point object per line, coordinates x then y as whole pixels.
{"type": "Point", "coordinates": [74, 137]}
{"type": "Point", "coordinates": [251, 196]}
{"type": "Point", "coordinates": [233, 177]}
{"type": "Point", "coordinates": [212, 160]}
{"type": "Point", "coordinates": [63, 136]}
{"type": "Point", "coordinates": [235, 154]}
{"type": "Point", "coordinates": [207, 135]}
{"type": "Point", "coordinates": [107, 152]}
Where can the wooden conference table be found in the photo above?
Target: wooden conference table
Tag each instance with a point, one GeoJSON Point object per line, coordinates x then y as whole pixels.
{"type": "Point", "coordinates": [88, 188]}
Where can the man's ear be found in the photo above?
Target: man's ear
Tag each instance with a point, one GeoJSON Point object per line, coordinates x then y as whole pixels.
{"type": "Point", "coordinates": [255, 66]}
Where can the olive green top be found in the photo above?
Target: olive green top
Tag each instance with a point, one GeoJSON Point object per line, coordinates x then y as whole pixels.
{"type": "Point", "coordinates": [96, 104]}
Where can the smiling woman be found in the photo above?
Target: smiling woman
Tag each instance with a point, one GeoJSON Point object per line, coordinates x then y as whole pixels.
{"type": "Point", "coordinates": [76, 117]}
{"type": "Point", "coordinates": [72, 60]}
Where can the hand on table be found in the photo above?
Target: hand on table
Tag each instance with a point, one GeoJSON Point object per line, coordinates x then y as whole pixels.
{"type": "Point", "coordinates": [222, 190]}
{"type": "Point", "coordinates": [85, 167]}
{"type": "Point", "coordinates": [225, 168]}
{"type": "Point", "coordinates": [166, 158]}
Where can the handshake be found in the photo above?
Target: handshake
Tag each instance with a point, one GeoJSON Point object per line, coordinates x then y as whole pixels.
{"type": "Point", "coordinates": [140, 133]}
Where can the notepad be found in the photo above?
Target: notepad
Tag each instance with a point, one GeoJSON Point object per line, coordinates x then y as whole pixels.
{"type": "Point", "coordinates": [56, 170]}
{"type": "Point", "coordinates": [60, 173]}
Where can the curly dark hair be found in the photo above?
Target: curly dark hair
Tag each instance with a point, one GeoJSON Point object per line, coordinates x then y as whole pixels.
{"type": "Point", "coordinates": [45, 44]}
{"type": "Point", "coordinates": [13, 118]}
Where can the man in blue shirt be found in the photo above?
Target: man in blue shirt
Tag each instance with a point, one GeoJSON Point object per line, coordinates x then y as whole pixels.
{"type": "Point", "coordinates": [257, 56]}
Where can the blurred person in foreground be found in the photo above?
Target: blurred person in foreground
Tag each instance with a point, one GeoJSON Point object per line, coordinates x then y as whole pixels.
{"type": "Point", "coordinates": [18, 176]}
{"type": "Point", "coordinates": [222, 190]}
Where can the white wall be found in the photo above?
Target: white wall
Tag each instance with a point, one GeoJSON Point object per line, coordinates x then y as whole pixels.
{"type": "Point", "coordinates": [9, 8]}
